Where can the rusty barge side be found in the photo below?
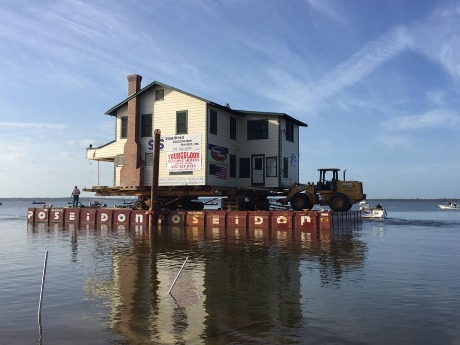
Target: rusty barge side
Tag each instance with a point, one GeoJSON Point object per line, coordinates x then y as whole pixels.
{"type": "Point", "coordinates": [114, 217]}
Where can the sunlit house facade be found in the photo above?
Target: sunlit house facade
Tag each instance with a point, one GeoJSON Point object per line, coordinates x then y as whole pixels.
{"type": "Point", "coordinates": [202, 143]}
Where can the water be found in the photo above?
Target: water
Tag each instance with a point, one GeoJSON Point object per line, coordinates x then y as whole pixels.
{"type": "Point", "coordinates": [386, 282]}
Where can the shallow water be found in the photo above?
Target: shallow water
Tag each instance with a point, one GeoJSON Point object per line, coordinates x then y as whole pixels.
{"type": "Point", "coordinates": [385, 282]}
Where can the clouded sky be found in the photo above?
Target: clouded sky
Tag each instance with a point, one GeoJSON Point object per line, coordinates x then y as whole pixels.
{"type": "Point", "coordinates": [378, 83]}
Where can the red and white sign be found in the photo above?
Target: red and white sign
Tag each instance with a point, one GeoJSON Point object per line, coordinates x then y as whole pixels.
{"type": "Point", "coordinates": [184, 161]}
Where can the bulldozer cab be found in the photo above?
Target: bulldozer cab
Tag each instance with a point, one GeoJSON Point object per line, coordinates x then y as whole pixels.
{"type": "Point", "coordinates": [328, 179]}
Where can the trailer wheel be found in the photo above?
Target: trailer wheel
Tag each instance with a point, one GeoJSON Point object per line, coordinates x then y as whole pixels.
{"type": "Point", "coordinates": [260, 204]}
{"type": "Point", "coordinates": [301, 201]}
{"type": "Point", "coordinates": [197, 205]}
{"type": "Point", "coordinates": [191, 205]}
{"type": "Point", "coordinates": [339, 203]}
{"type": "Point", "coordinates": [138, 205]}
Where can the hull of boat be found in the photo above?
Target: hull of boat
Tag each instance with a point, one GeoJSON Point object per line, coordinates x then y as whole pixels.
{"type": "Point", "coordinates": [373, 214]}
{"type": "Point", "coordinates": [368, 212]}
{"type": "Point", "coordinates": [447, 207]}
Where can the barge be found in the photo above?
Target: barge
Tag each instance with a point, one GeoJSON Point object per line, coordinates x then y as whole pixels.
{"type": "Point", "coordinates": [113, 218]}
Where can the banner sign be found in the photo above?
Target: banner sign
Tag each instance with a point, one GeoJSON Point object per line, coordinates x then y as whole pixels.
{"type": "Point", "coordinates": [176, 143]}
{"type": "Point", "coordinates": [218, 154]}
{"type": "Point", "coordinates": [183, 161]}
{"type": "Point", "coordinates": [183, 152]}
{"type": "Point", "coordinates": [181, 180]}
{"type": "Point", "coordinates": [219, 157]}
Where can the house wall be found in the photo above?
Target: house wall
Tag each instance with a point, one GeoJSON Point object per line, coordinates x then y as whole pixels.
{"type": "Point", "coordinates": [164, 118]}
{"type": "Point", "coordinates": [289, 150]}
{"type": "Point", "coordinates": [122, 112]}
{"type": "Point", "coordinates": [147, 106]}
{"type": "Point", "coordinates": [118, 147]}
{"type": "Point", "coordinates": [117, 171]}
{"type": "Point", "coordinates": [268, 147]}
{"type": "Point", "coordinates": [222, 140]}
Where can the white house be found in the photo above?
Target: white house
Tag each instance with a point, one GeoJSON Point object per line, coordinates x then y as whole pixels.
{"type": "Point", "coordinates": [202, 143]}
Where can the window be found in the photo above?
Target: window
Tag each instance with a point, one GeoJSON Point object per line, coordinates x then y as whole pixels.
{"type": "Point", "coordinates": [124, 127]}
{"type": "Point", "coordinates": [181, 122]}
{"type": "Point", "coordinates": [290, 131]}
{"type": "Point", "coordinates": [285, 167]}
{"type": "Point", "coordinates": [232, 165]}
{"type": "Point", "coordinates": [271, 167]}
{"type": "Point", "coordinates": [148, 159]}
{"type": "Point", "coordinates": [233, 128]}
{"type": "Point", "coordinates": [159, 95]}
{"type": "Point", "coordinates": [258, 163]}
{"type": "Point", "coordinates": [257, 129]}
{"type": "Point", "coordinates": [245, 167]}
{"type": "Point", "coordinates": [119, 160]}
{"type": "Point", "coordinates": [146, 125]}
{"type": "Point", "coordinates": [213, 122]}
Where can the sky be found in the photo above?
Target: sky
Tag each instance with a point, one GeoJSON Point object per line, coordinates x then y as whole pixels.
{"type": "Point", "coordinates": [377, 82]}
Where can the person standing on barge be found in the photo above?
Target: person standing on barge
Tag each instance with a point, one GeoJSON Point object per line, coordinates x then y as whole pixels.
{"type": "Point", "coordinates": [76, 196]}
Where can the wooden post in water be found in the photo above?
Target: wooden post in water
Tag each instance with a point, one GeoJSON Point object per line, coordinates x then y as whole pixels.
{"type": "Point", "coordinates": [154, 207]}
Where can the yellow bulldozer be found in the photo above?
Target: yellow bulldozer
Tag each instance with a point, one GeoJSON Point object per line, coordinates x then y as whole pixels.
{"type": "Point", "coordinates": [328, 191]}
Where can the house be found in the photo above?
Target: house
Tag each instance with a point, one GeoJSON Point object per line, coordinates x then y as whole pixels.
{"type": "Point", "coordinates": [202, 143]}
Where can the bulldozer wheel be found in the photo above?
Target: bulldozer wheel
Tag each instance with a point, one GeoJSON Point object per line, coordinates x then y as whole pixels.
{"type": "Point", "coordinates": [301, 201]}
{"type": "Point", "coordinates": [138, 205]}
{"type": "Point", "coordinates": [349, 207]}
{"type": "Point", "coordinates": [339, 203]}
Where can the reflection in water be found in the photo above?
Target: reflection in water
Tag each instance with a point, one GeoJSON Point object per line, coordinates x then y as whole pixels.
{"type": "Point", "coordinates": [237, 286]}
{"type": "Point", "coordinates": [378, 231]}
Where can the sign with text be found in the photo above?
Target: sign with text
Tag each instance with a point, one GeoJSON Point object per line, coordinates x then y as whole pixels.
{"type": "Point", "coordinates": [219, 159]}
{"type": "Point", "coordinates": [184, 161]}
{"type": "Point", "coordinates": [180, 180]}
{"type": "Point", "coordinates": [176, 143]}
{"type": "Point", "coordinates": [184, 142]}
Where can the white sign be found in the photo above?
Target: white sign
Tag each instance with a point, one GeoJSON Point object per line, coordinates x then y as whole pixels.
{"type": "Point", "coordinates": [184, 142]}
{"type": "Point", "coordinates": [183, 161]}
{"type": "Point", "coordinates": [181, 181]}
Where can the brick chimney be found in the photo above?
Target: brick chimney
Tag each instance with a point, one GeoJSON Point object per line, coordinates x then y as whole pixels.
{"type": "Point", "coordinates": [134, 83]}
{"type": "Point", "coordinates": [132, 171]}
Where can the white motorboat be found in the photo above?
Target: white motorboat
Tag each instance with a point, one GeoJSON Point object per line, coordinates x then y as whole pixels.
{"type": "Point", "coordinates": [368, 212]}
{"type": "Point", "coordinates": [450, 206]}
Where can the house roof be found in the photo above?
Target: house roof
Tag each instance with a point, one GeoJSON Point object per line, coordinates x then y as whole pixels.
{"type": "Point", "coordinates": [282, 115]}
{"type": "Point", "coordinates": [112, 111]}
